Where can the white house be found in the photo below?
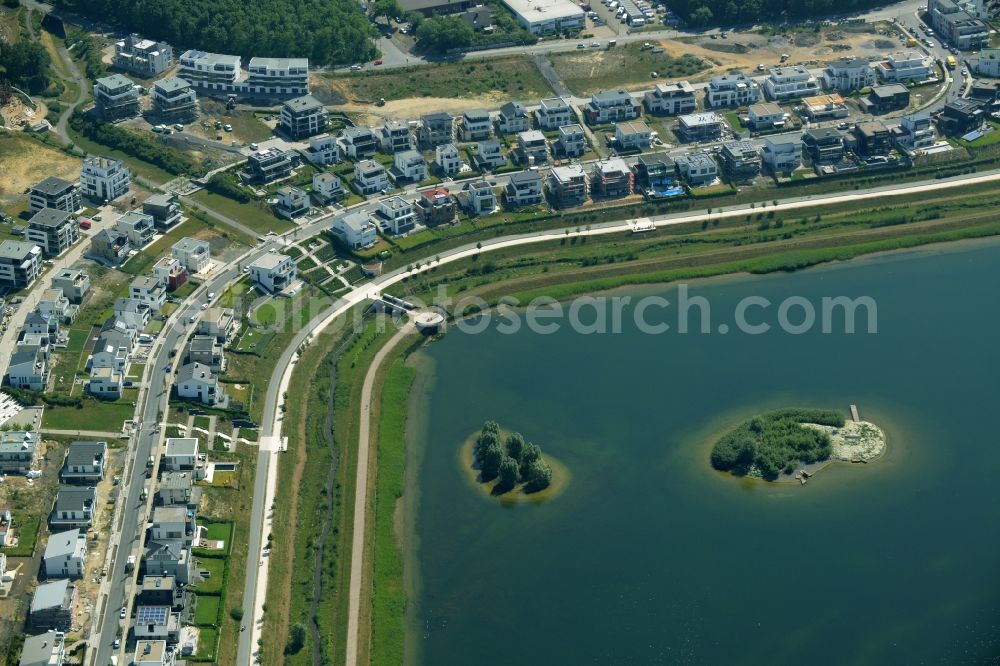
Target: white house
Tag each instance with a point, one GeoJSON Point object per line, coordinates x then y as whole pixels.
{"type": "Point", "coordinates": [18, 450]}
{"type": "Point", "coordinates": [292, 202]}
{"type": "Point", "coordinates": [396, 215]}
{"type": "Point", "coordinates": [765, 116]}
{"type": "Point", "coordinates": [633, 135]}
{"type": "Point", "coordinates": [355, 229]}
{"type": "Point", "coordinates": [409, 165]}
{"type": "Point", "coordinates": [323, 150]}
{"type": "Point", "coordinates": [475, 125]}
{"type": "Point", "coordinates": [848, 75]}
{"type": "Point", "coordinates": [137, 227]}
{"type": "Point", "coordinates": [147, 289]}
{"type": "Point", "coordinates": [104, 178]}
{"type": "Point", "coordinates": [513, 118]}
{"type": "Point", "coordinates": [181, 454]}
{"type": "Point", "coordinates": [553, 113]}
{"type": "Point", "coordinates": [611, 106]}
{"type": "Point", "coordinates": [447, 159]}
{"type": "Point", "coordinates": [28, 369]}
{"type": "Point", "coordinates": [197, 382]}
{"type": "Point", "coordinates": [478, 197]}
{"type": "Point", "coordinates": [370, 177]}
{"type": "Point", "coordinates": [328, 188]}
{"type": "Point", "coordinates": [74, 507]}
{"type": "Point", "coordinates": [790, 82]}
{"type": "Point", "coordinates": [65, 554]}
{"type": "Point", "coordinates": [905, 66]}
{"type": "Point", "coordinates": [133, 312]}
{"type": "Point", "coordinates": [84, 463]}
{"type": "Point", "coordinates": [524, 188]}
{"type": "Point", "coordinates": [193, 253]}
{"type": "Point", "coordinates": [736, 89]}
{"type": "Point", "coordinates": [273, 271]}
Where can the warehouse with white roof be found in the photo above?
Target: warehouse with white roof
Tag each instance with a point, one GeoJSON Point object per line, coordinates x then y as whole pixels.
{"type": "Point", "coordinates": [542, 17]}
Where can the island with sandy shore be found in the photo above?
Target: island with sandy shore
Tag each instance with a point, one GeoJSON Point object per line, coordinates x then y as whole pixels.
{"type": "Point", "coordinates": [507, 466]}
{"type": "Point", "coordinates": [792, 444]}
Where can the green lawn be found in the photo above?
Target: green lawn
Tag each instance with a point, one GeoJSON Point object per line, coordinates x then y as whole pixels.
{"type": "Point", "coordinates": [95, 415]}
{"type": "Point", "coordinates": [202, 422]}
{"type": "Point", "coordinates": [628, 66]}
{"type": "Point", "coordinates": [259, 219]}
{"type": "Point", "coordinates": [206, 610]}
{"type": "Point", "coordinates": [218, 531]}
{"type": "Point", "coordinates": [218, 568]}
{"type": "Point", "coordinates": [208, 641]}
{"type": "Point", "coordinates": [389, 595]}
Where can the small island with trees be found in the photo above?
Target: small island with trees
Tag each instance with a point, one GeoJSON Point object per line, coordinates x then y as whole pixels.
{"type": "Point", "coordinates": [507, 463]}
{"type": "Point", "coordinates": [788, 444]}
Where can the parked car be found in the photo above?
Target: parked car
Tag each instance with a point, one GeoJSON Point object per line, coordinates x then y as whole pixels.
{"type": "Point", "coordinates": [123, 613]}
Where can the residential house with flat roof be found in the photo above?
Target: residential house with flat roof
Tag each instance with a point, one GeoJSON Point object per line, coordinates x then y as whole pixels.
{"type": "Point", "coordinates": [170, 273]}
{"type": "Point", "coordinates": [153, 653]}
{"type": "Point", "coordinates": [370, 177]}
{"type": "Point", "coordinates": [915, 132]}
{"type": "Point", "coordinates": [847, 75]}
{"type": "Point", "coordinates": [156, 623]}
{"type": "Point", "coordinates": [823, 145]}
{"type": "Point", "coordinates": [104, 178]}
{"type": "Point", "coordinates": [569, 185]}
{"type": "Point", "coordinates": [328, 188]}
{"type": "Point", "coordinates": [782, 153]}
{"type": "Point", "coordinates": [697, 169]}
{"type": "Point", "coordinates": [276, 78]}
{"type": "Point", "coordinates": [395, 137]}
{"type": "Point", "coordinates": [359, 142]}
{"type": "Point", "coordinates": [292, 202]}
{"type": "Point", "coordinates": [18, 451]}
{"type": "Point", "coordinates": [435, 129]}
{"type": "Point", "coordinates": [905, 66]}
{"type": "Point", "coordinates": [475, 125]}
{"type": "Point", "coordinates": [740, 160]}
{"type": "Point", "coordinates": [174, 100]}
{"type": "Point", "coordinates": [302, 117]}
{"type": "Point", "coordinates": [20, 263]}
{"type": "Point", "coordinates": [612, 179]}
{"type": "Point", "coordinates": [139, 228]}
{"type": "Point", "coordinates": [65, 554]}
{"type": "Point", "coordinates": [323, 150]}
{"type": "Point", "coordinates": [105, 383]}
{"type": "Point", "coordinates": [611, 106]}
{"type": "Point", "coordinates": [733, 89]}
{"type": "Point", "coordinates": [395, 215]}
{"type": "Point", "coordinates": [524, 188]}
{"type": "Point", "coordinates": [961, 116]}
{"type": "Point", "coordinates": [489, 156]}
{"type": "Point", "coordinates": [56, 193]}
{"type": "Point", "coordinates": [824, 107]}
{"type": "Point", "coordinates": [671, 99]}
{"type": "Point", "coordinates": [699, 127]}
{"type": "Point", "coordinates": [48, 649]}
{"type": "Point", "coordinates": [478, 197]}
{"type": "Point", "coordinates": [205, 349]}
{"type": "Point", "coordinates": [147, 289]}
{"type": "Point", "coordinates": [273, 271]}
{"type": "Point", "coordinates": [409, 166]}
{"type": "Point", "coordinates": [654, 171]}
{"type": "Point", "coordinates": [194, 254]}
{"type": "Point", "coordinates": [145, 57]}
{"type": "Point", "coordinates": [790, 83]}
{"type": "Point", "coordinates": [355, 229]}
{"type": "Point", "coordinates": [447, 159]}
{"type": "Point", "coordinates": [176, 488]}
{"type": "Point", "coordinates": [164, 209]}
{"type": "Point", "coordinates": [633, 135]}
{"type": "Point", "coordinates": [553, 113]}
{"type": "Point", "coordinates": [220, 322]}
{"type": "Point", "coordinates": [268, 165]}
{"type": "Point", "coordinates": [210, 72]}
{"type": "Point", "coordinates": [74, 283]}
{"type": "Point", "coordinates": [180, 454]}
{"type": "Point", "coordinates": [532, 147]}
{"type": "Point", "coordinates": [872, 138]}
{"type": "Point", "coordinates": [884, 99]}
{"type": "Point", "coordinates": [52, 230]}
{"type": "Point", "coordinates": [571, 142]}
{"type": "Point", "coordinates": [116, 97]}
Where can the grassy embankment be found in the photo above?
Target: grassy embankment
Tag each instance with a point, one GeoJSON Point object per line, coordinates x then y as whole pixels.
{"type": "Point", "coordinates": [510, 77]}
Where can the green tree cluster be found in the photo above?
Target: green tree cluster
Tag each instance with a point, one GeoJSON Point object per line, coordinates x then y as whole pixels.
{"type": "Point", "coordinates": [512, 461]}
{"type": "Point", "coordinates": [225, 185]}
{"type": "Point", "coordinates": [87, 48]}
{"type": "Point", "coordinates": [136, 145]}
{"type": "Point", "coordinates": [442, 33]}
{"type": "Point", "coordinates": [700, 13]}
{"type": "Point", "coordinates": [774, 441]}
{"type": "Point", "coordinates": [325, 31]}
{"type": "Point", "coordinates": [25, 64]}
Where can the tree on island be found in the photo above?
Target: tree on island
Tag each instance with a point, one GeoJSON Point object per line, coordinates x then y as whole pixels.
{"type": "Point", "coordinates": [775, 442]}
{"type": "Point", "coordinates": [514, 462]}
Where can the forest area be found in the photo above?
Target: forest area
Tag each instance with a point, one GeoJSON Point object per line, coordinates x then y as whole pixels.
{"type": "Point", "coordinates": [328, 32]}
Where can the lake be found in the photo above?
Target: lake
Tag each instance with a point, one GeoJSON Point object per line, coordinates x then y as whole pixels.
{"type": "Point", "coordinates": [650, 556]}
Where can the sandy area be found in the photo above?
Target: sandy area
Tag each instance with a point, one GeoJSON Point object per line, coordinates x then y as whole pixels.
{"type": "Point", "coordinates": [24, 162]}
{"type": "Point", "coordinates": [857, 441]}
